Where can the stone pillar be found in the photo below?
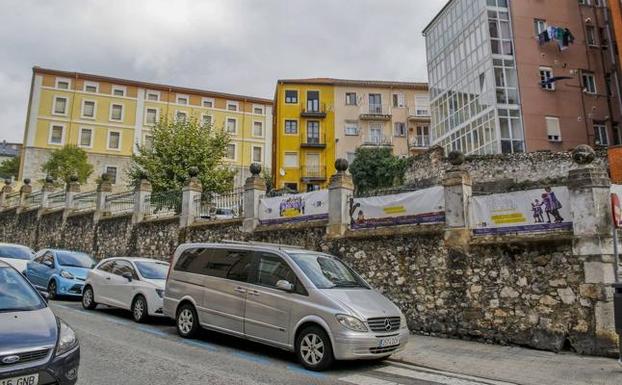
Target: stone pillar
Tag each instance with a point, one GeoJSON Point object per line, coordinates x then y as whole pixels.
{"type": "Point", "coordinates": [73, 188]}
{"type": "Point", "coordinates": [48, 187]}
{"type": "Point", "coordinates": [254, 190]}
{"type": "Point", "coordinates": [590, 203]}
{"type": "Point", "coordinates": [104, 188]}
{"type": "Point", "coordinates": [6, 189]}
{"type": "Point", "coordinates": [457, 185]}
{"type": "Point", "coordinates": [340, 191]}
{"type": "Point", "coordinates": [141, 196]}
{"type": "Point", "coordinates": [24, 191]}
{"type": "Point", "coordinates": [191, 196]}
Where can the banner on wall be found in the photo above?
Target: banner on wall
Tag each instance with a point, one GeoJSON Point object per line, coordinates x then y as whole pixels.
{"type": "Point", "coordinates": [616, 204]}
{"type": "Point", "coordinates": [294, 208]}
{"type": "Point", "coordinates": [415, 207]}
{"type": "Point", "coordinates": [522, 211]}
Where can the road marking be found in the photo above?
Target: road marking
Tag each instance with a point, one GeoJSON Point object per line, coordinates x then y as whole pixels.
{"type": "Point", "coordinates": [200, 344]}
{"type": "Point", "coordinates": [427, 376]}
{"type": "Point", "coordinates": [153, 330]}
{"type": "Point", "coordinates": [448, 374]}
{"type": "Point", "coordinates": [359, 379]}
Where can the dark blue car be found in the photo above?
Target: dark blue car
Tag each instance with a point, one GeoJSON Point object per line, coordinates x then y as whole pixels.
{"type": "Point", "coordinates": [36, 348]}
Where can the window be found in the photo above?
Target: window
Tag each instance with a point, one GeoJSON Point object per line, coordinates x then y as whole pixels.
{"type": "Point", "coordinates": [546, 74]}
{"type": "Point", "coordinates": [291, 127]}
{"type": "Point", "coordinates": [258, 110]}
{"type": "Point", "coordinates": [182, 99]}
{"type": "Point", "coordinates": [88, 109]}
{"type": "Point", "coordinates": [63, 84]}
{"type": "Point", "coordinates": [112, 172]}
{"type": "Point", "coordinates": [291, 96]}
{"type": "Point", "coordinates": [350, 156]}
{"type": "Point", "coordinates": [153, 96]}
{"type": "Point", "coordinates": [57, 134]}
{"type": "Point", "coordinates": [220, 263]}
{"type": "Point", "coordinates": [398, 100]}
{"type": "Point", "coordinates": [208, 102]}
{"type": "Point", "coordinates": [601, 136]}
{"type": "Point", "coordinates": [552, 129]}
{"type": "Point", "coordinates": [151, 116]}
{"type": "Point", "coordinates": [232, 106]}
{"type": "Point", "coordinates": [272, 269]}
{"type": "Point", "coordinates": [60, 106]}
{"type": "Point", "coordinates": [291, 186]}
{"type": "Point", "coordinates": [590, 35]}
{"type": "Point", "coordinates": [232, 125]}
{"type": "Point", "coordinates": [114, 140]}
{"type": "Point", "coordinates": [313, 132]}
{"type": "Point", "coordinates": [118, 91]}
{"type": "Point", "coordinates": [399, 128]}
{"type": "Point", "coordinates": [86, 137]}
{"type": "Point", "coordinates": [116, 112]}
{"type": "Point", "coordinates": [181, 116]}
{"type": "Point", "coordinates": [206, 119]}
{"type": "Point", "coordinates": [107, 266]}
{"type": "Point", "coordinates": [350, 98]}
{"type": "Point", "coordinates": [230, 151]}
{"type": "Point", "coordinates": [617, 134]}
{"type": "Point", "coordinates": [290, 160]}
{"type": "Point", "coordinates": [589, 82]}
{"type": "Point", "coordinates": [422, 105]}
{"type": "Point", "coordinates": [257, 128]}
{"type": "Point", "coordinates": [91, 87]}
{"type": "Point", "coordinates": [257, 154]}
{"type": "Point", "coordinates": [122, 267]}
{"type": "Point", "coordinates": [351, 128]}
{"type": "Point", "coordinates": [313, 101]}
{"type": "Point", "coordinates": [539, 26]}
{"type": "Point", "coordinates": [422, 139]}
{"type": "Point", "coordinates": [148, 142]}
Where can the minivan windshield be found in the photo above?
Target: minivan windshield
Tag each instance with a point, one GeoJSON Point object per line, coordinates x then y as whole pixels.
{"type": "Point", "coordinates": [15, 252]}
{"type": "Point", "coordinates": [327, 272]}
{"type": "Point", "coordinates": [71, 259]}
{"type": "Point", "coordinates": [16, 294]}
{"type": "Point", "coordinates": [152, 270]}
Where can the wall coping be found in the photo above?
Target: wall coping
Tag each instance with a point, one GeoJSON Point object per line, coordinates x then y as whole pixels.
{"type": "Point", "coordinates": [395, 230]}
{"type": "Point", "coordinates": [52, 211]}
{"type": "Point", "coordinates": [118, 216]}
{"type": "Point", "coordinates": [81, 213]}
{"type": "Point", "coordinates": [550, 236]}
{"type": "Point", "coordinates": [220, 222]}
{"type": "Point", "coordinates": [174, 218]}
{"type": "Point", "coordinates": [292, 226]}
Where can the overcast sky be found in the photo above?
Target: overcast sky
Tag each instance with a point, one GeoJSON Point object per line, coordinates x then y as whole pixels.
{"type": "Point", "coordinates": [239, 46]}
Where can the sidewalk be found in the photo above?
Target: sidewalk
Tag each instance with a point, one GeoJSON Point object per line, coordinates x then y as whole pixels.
{"type": "Point", "coordinates": [512, 364]}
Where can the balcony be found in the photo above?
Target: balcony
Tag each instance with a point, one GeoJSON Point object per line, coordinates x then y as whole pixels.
{"type": "Point", "coordinates": [419, 142]}
{"type": "Point", "coordinates": [375, 112]}
{"type": "Point", "coordinates": [378, 141]}
{"type": "Point", "coordinates": [314, 109]}
{"type": "Point", "coordinates": [313, 141]}
{"type": "Point", "coordinates": [313, 173]}
{"type": "Point", "coordinates": [419, 113]}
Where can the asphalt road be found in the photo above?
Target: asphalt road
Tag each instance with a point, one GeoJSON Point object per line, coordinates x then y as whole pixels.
{"type": "Point", "coordinates": [115, 350]}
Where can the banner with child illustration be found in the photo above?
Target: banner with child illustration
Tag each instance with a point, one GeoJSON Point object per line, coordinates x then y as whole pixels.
{"type": "Point", "coordinates": [415, 207]}
{"type": "Point", "coordinates": [294, 208]}
{"type": "Point", "coordinates": [616, 202]}
{"type": "Point", "coordinates": [522, 211]}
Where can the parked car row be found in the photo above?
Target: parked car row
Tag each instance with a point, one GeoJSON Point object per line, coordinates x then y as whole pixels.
{"type": "Point", "coordinates": [303, 301]}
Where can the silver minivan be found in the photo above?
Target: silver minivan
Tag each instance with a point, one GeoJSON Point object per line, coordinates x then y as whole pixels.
{"type": "Point", "coordinates": [299, 300]}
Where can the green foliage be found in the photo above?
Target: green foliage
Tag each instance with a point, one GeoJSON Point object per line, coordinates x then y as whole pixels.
{"type": "Point", "coordinates": [178, 146]}
{"type": "Point", "coordinates": [9, 168]}
{"type": "Point", "coordinates": [266, 174]}
{"type": "Point", "coordinates": [375, 168]}
{"type": "Point", "coordinates": [67, 161]}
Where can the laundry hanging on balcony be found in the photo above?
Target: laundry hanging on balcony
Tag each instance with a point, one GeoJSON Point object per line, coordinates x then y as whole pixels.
{"type": "Point", "coordinates": [562, 36]}
{"type": "Point", "coordinates": [554, 79]}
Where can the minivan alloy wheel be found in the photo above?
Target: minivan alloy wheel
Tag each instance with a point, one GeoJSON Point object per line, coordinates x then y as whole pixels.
{"type": "Point", "coordinates": [185, 322]}
{"type": "Point", "coordinates": [312, 349]}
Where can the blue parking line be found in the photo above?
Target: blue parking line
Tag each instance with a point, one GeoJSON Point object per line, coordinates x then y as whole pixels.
{"type": "Point", "coordinates": [152, 330]}
{"type": "Point", "coordinates": [200, 344]}
{"type": "Point", "coordinates": [252, 357]}
{"type": "Point", "coordinates": [304, 372]}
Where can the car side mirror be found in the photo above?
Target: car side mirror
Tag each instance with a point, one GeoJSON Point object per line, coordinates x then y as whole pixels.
{"type": "Point", "coordinates": [284, 285]}
{"type": "Point", "coordinates": [49, 264]}
{"type": "Point", "coordinates": [44, 294]}
{"type": "Point", "coordinates": [127, 276]}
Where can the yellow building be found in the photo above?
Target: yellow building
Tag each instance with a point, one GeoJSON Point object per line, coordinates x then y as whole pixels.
{"type": "Point", "coordinates": [109, 118]}
{"type": "Point", "coordinates": [319, 120]}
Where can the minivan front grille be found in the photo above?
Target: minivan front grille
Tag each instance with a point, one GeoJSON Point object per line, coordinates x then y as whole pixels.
{"type": "Point", "coordinates": [387, 349]}
{"type": "Point", "coordinates": [384, 324]}
{"type": "Point", "coordinates": [24, 357]}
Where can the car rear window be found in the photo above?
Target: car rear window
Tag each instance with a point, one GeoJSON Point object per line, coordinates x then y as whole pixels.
{"type": "Point", "coordinates": [16, 252]}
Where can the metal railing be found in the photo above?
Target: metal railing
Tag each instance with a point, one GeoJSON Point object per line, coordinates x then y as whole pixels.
{"type": "Point", "coordinates": [420, 141]}
{"type": "Point", "coordinates": [423, 112]}
{"type": "Point", "coordinates": [314, 107]}
{"type": "Point", "coordinates": [56, 199]}
{"type": "Point", "coordinates": [228, 205]}
{"type": "Point", "coordinates": [120, 203]}
{"type": "Point", "coordinates": [33, 199]}
{"type": "Point", "coordinates": [314, 139]}
{"type": "Point", "coordinates": [376, 109]}
{"type": "Point", "coordinates": [85, 200]}
{"type": "Point", "coordinates": [378, 140]}
{"type": "Point", "coordinates": [313, 171]}
{"type": "Point", "coordinates": [163, 203]}
{"type": "Point", "coordinates": [12, 199]}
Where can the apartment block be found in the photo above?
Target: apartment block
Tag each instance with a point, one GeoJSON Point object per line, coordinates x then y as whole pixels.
{"type": "Point", "coordinates": [110, 118]}
{"type": "Point", "coordinates": [523, 75]}
{"type": "Point", "coordinates": [319, 120]}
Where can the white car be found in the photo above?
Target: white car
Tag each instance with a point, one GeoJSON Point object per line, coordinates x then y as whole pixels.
{"type": "Point", "coordinates": [135, 284]}
{"type": "Point", "coordinates": [17, 256]}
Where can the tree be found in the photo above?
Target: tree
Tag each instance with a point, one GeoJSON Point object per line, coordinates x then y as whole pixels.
{"type": "Point", "coordinates": [375, 168]}
{"type": "Point", "coordinates": [67, 161]}
{"type": "Point", "coordinates": [267, 177]}
{"type": "Point", "coordinates": [9, 168]}
{"type": "Point", "coordinates": [176, 147]}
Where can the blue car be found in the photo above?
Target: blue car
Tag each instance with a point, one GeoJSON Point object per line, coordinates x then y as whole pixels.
{"type": "Point", "coordinates": [60, 272]}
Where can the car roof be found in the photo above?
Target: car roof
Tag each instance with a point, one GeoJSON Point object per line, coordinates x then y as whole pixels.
{"type": "Point", "coordinates": [248, 245]}
{"type": "Point", "coordinates": [15, 245]}
{"type": "Point", "coordinates": [4, 264]}
{"type": "Point", "coordinates": [134, 259]}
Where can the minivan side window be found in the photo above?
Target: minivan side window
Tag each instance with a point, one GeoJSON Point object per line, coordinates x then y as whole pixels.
{"type": "Point", "coordinates": [241, 265]}
{"type": "Point", "coordinates": [272, 268]}
{"type": "Point", "coordinates": [220, 263]}
{"type": "Point", "coordinates": [191, 261]}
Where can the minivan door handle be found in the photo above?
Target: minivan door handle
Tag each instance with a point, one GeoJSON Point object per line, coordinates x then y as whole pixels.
{"type": "Point", "coordinates": [240, 290]}
{"type": "Point", "coordinates": [253, 292]}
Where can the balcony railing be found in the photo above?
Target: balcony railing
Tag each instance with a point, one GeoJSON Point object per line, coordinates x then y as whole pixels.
{"type": "Point", "coordinates": [313, 173]}
{"type": "Point", "coordinates": [419, 112]}
{"type": "Point", "coordinates": [375, 112]}
{"type": "Point", "coordinates": [378, 140]}
{"type": "Point", "coordinates": [420, 141]}
{"type": "Point", "coordinates": [314, 140]}
{"type": "Point", "coordinates": [313, 109]}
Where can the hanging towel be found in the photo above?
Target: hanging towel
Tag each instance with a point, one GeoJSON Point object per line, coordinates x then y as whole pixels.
{"type": "Point", "coordinates": [554, 79]}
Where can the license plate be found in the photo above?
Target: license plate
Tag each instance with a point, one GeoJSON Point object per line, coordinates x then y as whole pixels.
{"type": "Point", "coordinates": [389, 341]}
{"type": "Point", "coordinates": [31, 379]}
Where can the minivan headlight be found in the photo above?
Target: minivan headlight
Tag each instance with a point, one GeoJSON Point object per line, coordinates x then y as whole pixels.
{"type": "Point", "coordinates": [67, 339]}
{"type": "Point", "coordinates": [66, 274]}
{"type": "Point", "coordinates": [351, 323]}
{"type": "Point", "coordinates": [403, 322]}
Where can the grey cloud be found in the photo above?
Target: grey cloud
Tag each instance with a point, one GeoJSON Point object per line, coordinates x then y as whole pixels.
{"type": "Point", "coordinates": [240, 46]}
